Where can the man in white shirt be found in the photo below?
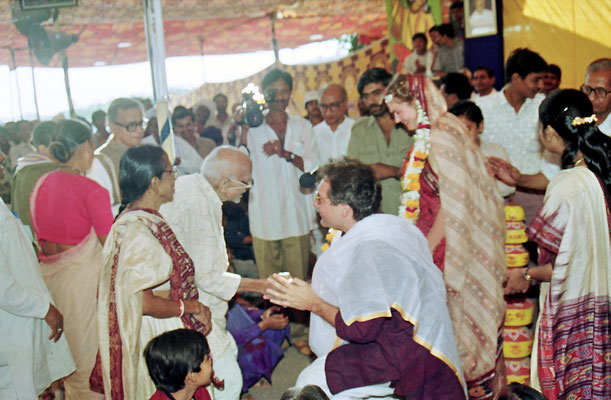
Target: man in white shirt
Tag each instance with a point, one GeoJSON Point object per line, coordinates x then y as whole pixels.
{"type": "Point", "coordinates": [125, 119]}
{"type": "Point", "coordinates": [281, 217]}
{"type": "Point", "coordinates": [192, 149]}
{"type": "Point", "coordinates": [34, 353]}
{"type": "Point", "coordinates": [511, 119]}
{"type": "Point", "coordinates": [597, 86]}
{"type": "Point", "coordinates": [421, 60]}
{"type": "Point", "coordinates": [195, 215]}
{"type": "Point", "coordinates": [332, 136]}
{"type": "Point", "coordinates": [483, 81]}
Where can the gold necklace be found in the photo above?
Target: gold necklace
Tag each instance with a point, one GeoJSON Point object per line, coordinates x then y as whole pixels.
{"type": "Point", "coordinates": [578, 162]}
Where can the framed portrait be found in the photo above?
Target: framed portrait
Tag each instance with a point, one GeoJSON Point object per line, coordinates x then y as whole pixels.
{"type": "Point", "coordinates": [36, 4]}
{"type": "Point", "coordinates": [480, 18]}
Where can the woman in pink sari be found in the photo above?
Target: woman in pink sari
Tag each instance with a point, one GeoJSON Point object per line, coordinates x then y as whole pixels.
{"type": "Point", "coordinates": [571, 355]}
{"type": "Point", "coordinates": [71, 217]}
{"type": "Point", "coordinates": [449, 195]}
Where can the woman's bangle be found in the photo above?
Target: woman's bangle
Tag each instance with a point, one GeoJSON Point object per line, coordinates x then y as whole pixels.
{"type": "Point", "coordinates": [181, 306]}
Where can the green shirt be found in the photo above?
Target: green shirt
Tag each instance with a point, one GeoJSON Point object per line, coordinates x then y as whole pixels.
{"type": "Point", "coordinates": [368, 145]}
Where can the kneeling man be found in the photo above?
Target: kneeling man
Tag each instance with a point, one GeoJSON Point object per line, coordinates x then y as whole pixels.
{"type": "Point", "coordinates": [379, 325]}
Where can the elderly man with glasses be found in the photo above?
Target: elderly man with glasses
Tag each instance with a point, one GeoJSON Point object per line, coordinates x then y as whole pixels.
{"type": "Point", "coordinates": [331, 137]}
{"type": "Point", "coordinates": [127, 129]}
{"type": "Point", "coordinates": [597, 86]}
{"type": "Point", "coordinates": [195, 216]}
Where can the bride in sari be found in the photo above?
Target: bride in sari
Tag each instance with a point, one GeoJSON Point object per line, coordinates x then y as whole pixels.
{"type": "Point", "coordinates": [147, 284]}
{"type": "Point", "coordinates": [449, 195]}
{"type": "Point", "coordinates": [571, 354]}
{"type": "Point", "coordinates": [71, 217]}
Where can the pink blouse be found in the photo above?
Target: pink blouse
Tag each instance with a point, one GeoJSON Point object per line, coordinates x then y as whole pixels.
{"type": "Point", "coordinates": [67, 206]}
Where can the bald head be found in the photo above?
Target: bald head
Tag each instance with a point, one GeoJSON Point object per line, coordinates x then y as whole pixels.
{"type": "Point", "coordinates": [228, 170]}
{"type": "Point", "coordinates": [333, 105]}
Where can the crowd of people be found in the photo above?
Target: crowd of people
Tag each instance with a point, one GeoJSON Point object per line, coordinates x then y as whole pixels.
{"type": "Point", "coordinates": [128, 275]}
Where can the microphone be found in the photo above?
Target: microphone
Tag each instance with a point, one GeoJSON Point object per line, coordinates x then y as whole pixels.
{"type": "Point", "coordinates": [308, 179]}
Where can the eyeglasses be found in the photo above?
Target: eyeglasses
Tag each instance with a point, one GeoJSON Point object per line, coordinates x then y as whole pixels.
{"type": "Point", "coordinates": [600, 92]}
{"type": "Point", "coordinates": [173, 171]}
{"type": "Point", "coordinates": [132, 126]}
{"type": "Point", "coordinates": [240, 184]}
{"type": "Point", "coordinates": [331, 106]}
{"type": "Point", "coordinates": [318, 198]}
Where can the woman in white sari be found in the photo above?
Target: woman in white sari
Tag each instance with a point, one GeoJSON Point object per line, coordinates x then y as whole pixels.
{"type": "Point", "coordinates": [571, 355]}
{"type": "Point", "coordinates": [147, 284]}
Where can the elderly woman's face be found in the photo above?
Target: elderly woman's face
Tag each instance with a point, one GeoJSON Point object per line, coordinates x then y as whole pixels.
{"type": "Point", "coordinates": [405, 113]}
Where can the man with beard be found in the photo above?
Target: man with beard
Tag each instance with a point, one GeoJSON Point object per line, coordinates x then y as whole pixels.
{"type": "Point", "coordinates": [376, 141]}
{"type": "Point", "coordinates": [281, 217]}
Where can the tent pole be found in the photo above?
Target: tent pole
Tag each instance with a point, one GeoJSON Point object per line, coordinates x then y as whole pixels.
{"type": "Point", "coordinates": [274, 41]}
{"type": "Point", "coordinates": [34, 83]}
{"type": "Point", "coordinates": [153, 25]}
{"type": "Point", "coordinates": [16, 81]}
{"type": "Point", "coordinates": [67, 83]}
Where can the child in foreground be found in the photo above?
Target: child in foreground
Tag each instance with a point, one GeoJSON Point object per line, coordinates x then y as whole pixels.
{"type": "Point", "coordinates": [180, 365]}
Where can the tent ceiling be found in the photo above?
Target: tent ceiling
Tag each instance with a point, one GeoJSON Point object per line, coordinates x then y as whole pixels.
{"type": "Point", "coordinates": [193, 27]}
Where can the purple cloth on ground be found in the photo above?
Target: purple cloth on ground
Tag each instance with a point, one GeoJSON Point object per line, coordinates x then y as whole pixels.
{"type": "Point", "coordinates": [258, 352]}
{"type": "Point", "coordinates": [383, 350]}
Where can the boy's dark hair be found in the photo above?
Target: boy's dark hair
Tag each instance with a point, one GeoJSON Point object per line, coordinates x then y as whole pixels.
{"type": "Point", "coordinates": [172, 355]}
{"type": "Point", "coordinates": [446, 30]}
{"type": "Point", "coordinates": [373, 75]}
{"type": "Point", "coordinates": [524, 62]}
{"type": "Point", "coordinates": [517, 390]}
{"type": "Point", "coordinates": [420, 35]}
{"type": "Point", "coordinates": [456, 83]}
{"type": "Point", "coordinates": [434, 28]}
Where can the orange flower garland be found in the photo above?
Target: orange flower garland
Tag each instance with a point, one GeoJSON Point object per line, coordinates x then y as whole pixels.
{"type": "Point", "coordinates": [412, 168]}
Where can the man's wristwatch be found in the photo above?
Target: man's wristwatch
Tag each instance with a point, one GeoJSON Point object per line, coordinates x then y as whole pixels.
{"type": "Point", "coordinates": [527, 275]}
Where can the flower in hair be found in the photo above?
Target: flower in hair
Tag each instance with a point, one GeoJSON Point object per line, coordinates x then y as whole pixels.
{"type": "Point", "coordinates": [587, 120]}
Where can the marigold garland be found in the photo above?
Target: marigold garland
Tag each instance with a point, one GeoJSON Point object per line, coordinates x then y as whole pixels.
{"type": "Point", "coordinates": [412, 168]}
{"type": "Point", "coordinates": [328, 239]}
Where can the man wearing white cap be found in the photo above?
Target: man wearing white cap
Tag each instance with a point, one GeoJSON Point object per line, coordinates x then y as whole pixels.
{"type": "Point", "coordinates": [310, 102]}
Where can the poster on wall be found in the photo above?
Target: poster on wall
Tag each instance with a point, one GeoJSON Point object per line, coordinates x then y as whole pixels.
{"type": "Point", "coordinates": [480, 18]}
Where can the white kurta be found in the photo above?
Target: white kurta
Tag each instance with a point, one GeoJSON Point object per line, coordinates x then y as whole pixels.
{"type": "Point", "coordinates": [195, 216]}
{"type": "Point", "coordinates": [517, 132]}
{"type": "Point", "coordinates": [29, 361]}
{"type": "Point", "coordinates": [277, 208]}
{"type": "Point", "coordinates": [326, 144]}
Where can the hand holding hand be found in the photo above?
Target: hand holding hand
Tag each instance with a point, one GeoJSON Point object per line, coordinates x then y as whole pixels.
{"type": "Point", "coordinates": [292, 292]}
{"type": "Point", "coordinates": [514, 281]}
{"type": "Point", "coordinates": [504, 171]}
{"type": "Point", "coordinates": [55, 320]}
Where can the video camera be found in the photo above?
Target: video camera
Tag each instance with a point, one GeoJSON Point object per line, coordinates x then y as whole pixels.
{"type": "Point", "coordinates": [253, 103]}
